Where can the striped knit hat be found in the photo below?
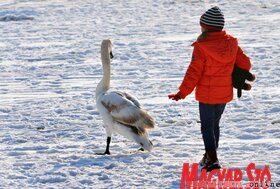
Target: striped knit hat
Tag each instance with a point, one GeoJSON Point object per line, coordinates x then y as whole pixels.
{"type": "Point", "coordinates": [212, 19]}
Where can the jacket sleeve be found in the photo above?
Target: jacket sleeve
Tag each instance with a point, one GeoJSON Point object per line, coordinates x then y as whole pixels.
{"type": "Point", "coordinates": [242, 61]}
{"type": "Point", "coordinates": [193, 73]}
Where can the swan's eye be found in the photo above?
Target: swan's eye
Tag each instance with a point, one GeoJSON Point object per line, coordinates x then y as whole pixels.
{"type": "Point", "coordinates": [111, 55]}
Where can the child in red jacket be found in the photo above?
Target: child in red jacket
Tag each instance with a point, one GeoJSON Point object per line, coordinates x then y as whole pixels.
{"type": "Point", "coordinates": [210, 72]}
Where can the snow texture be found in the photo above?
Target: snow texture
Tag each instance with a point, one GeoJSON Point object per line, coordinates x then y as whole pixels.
{"type": "Point", "coordinates": [50, 65]}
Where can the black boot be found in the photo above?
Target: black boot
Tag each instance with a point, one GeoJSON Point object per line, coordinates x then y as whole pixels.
{"type": "Point", "coordinates": [203, 161]}
{"type": "Point", "coordinates": [212, 161]}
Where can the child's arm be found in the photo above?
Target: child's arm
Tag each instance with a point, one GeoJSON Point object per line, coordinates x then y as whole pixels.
{"type": "Point", "coordinates": [242, 60]}
{"type": "Point", "coordinates": [193, 73]}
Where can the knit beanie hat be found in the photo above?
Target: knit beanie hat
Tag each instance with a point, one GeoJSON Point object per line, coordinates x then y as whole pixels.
{"type": "Point", "coordinates": [212, 19]}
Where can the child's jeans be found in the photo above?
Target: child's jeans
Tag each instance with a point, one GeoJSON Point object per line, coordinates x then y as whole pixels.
{"type": "Point", "coordinates": [210, 115]}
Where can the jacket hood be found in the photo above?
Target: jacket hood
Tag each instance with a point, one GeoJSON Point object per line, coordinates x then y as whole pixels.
{"type": "Point", "coordinates": [220, 46]}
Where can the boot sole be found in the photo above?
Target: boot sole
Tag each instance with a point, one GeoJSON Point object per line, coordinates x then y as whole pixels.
{"type": "Point", "coordinates": [212, 167]}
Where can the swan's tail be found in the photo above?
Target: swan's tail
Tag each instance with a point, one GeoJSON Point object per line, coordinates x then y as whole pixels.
{"type": "Point", "coordinates": [146, 122]}
{"type": "Point", "coordinates": [132, 133]}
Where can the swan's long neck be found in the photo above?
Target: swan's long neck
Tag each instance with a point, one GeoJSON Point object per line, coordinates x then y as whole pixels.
{"type": "Point", "coordinates": [104, 84]}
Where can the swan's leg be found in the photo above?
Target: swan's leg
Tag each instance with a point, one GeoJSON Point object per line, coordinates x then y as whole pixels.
{"type": "Point", "coordinates": [109, 132]}
{"type": "Point", "coordinates": [107, 151]}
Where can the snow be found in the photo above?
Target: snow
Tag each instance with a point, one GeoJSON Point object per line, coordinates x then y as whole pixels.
{"type": "Point", "coordinates": [50, 65]}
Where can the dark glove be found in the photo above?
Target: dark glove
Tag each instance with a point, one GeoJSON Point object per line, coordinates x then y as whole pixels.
{"type": "Point", "coordinates": [174, 97]}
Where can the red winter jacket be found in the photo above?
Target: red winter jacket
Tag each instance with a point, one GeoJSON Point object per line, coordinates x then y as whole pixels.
{"type": "Point", "coordinates": [211, 67]}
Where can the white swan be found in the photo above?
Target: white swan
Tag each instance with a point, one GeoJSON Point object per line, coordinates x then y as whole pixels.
{"type": "Point", "coordinates": [120, 111]}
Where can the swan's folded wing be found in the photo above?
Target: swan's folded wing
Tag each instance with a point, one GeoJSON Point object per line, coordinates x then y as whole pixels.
{"type": "Point", "coordinates": [133, 99]}
{"type": "Point", "coordinates": [125, 111]}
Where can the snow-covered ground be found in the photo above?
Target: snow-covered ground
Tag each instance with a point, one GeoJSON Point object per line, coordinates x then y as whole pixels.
{"type": "Point", "coordinates": [50, 65]}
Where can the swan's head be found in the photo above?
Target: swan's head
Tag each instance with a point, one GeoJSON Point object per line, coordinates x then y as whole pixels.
{"type": "Point", "coordinates": [106, 46]}
{"type": "Point", "coordinates": [144, 142]}
{"type": "Point", "coordinates": [147, 145]}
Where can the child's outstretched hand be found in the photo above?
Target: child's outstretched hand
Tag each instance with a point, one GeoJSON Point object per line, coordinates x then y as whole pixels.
{"type": "Point", "coordinates": [174, 97]}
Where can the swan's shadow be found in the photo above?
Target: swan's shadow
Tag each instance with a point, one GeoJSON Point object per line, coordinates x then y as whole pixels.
{"type": "Point", "coordinates": [105, 160]}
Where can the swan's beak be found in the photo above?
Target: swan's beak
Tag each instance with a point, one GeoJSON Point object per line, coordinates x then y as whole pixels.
{"type": "Point", "coordinates": [111, 55]}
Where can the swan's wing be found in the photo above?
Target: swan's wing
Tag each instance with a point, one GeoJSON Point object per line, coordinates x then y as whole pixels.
{"type": "Point", "coordinates": [133, 99]}
{"type": "Point", "coordinates": [126, 109]}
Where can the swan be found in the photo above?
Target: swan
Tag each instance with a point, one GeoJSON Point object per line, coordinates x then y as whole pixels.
{"type": "Point", "coordinates": [120, 111]}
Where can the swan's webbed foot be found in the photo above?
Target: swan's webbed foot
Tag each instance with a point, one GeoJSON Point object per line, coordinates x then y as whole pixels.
{"type": "Point", "coordinates": [105, 153]}
{"type": "Point", "coordinates": [141, 149]}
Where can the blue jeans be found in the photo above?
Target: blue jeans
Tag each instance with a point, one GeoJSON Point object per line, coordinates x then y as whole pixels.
{"type": "Point", "coordinates": [210, 115]}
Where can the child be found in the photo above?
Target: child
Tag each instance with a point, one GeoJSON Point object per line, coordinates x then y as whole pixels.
{"type": "Point", "coordinates": [210, 72]}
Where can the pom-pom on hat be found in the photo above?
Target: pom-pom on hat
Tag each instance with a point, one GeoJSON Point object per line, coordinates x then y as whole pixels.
{"type": "Point", "coordinates": [213, 19]}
